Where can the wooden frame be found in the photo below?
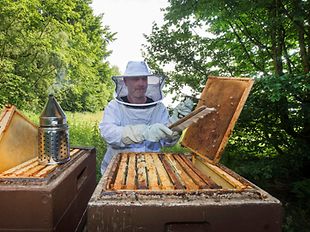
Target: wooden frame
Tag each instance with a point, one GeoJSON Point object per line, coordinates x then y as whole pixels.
{"type": "Point", "coordinates": [18, 138]}
{"type": "Point", "coordinates": [209, 136]}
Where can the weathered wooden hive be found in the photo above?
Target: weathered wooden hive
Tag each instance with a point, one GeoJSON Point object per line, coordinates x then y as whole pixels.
{"type": "Point", "coordinates": [186, 192]}
{"type": "Point", "coordinates": [39, 197]}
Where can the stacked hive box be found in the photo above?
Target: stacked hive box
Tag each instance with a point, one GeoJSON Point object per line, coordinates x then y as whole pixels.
{"type": "Point", "coordinates": [35, 197]}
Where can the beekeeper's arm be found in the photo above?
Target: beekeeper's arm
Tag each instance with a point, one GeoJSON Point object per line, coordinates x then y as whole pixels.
{"type": "Point", "coordinates": [181, 110]}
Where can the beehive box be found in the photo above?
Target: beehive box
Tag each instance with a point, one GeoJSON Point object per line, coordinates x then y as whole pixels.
{"type": "Point", "coordinates": [36, 197]}
{"type": "Point", "coordinates": [186, 192]}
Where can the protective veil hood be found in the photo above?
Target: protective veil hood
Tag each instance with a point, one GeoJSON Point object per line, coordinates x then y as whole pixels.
{"type": "Point", "coordinates": [139, 69]}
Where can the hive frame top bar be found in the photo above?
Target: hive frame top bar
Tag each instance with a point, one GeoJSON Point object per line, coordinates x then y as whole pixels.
{"type": "Point", "coordinates": [183, 196]}
{"type": "Point", "coordinates": [169, 172]}
{"type": "Point", "coordinates": [31, 172]}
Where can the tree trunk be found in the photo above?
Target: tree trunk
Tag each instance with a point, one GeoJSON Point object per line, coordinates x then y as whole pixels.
{"type": "Point", "coordinates": [300, 27]}
{"type": "Point", "coordinates": [276, 38]}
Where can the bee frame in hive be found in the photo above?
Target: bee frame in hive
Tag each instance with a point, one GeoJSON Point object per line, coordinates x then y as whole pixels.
{"type": "Point", "coordinates": [166, 172]}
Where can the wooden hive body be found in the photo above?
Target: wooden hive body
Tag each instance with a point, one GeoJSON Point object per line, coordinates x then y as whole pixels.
{"type": "Point", "coordinates": [35, 197]}
{"type": "Point", "coordinates": [189, 192]}
{"type": "Point", "coordinates": [51, 199]}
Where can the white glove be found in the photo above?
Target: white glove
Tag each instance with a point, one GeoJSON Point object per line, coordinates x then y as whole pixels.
{"type": "Point", "coordinates": [139, 133]}
{"type": "Point", "coordinates": [156, 132]}
{"type": "Point", "coordinates": [175, 136]}
{"type": "Point", "coordinates": [181, 110]}
{"type": "Point", "coordinates": [133, 133]}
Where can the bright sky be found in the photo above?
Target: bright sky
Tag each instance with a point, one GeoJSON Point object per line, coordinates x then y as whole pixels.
{"type": "Point", "coordinates": [130, 19]}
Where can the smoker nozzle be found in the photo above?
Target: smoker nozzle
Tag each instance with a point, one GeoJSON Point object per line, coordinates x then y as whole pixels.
{"type": "Point", "coordinates": [52, 115]}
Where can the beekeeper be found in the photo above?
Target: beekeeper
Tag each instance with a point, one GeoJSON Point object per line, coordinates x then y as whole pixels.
{"type": "Point", "coordinates": [136, 120]}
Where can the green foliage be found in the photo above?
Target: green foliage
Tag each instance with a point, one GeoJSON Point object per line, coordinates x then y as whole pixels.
{"type": "Point", "coordinates": [270, 144]}
{"type": "Point", "coordinates": [228, 38]}
{"type": "Point", "coordinates": [298, 209]}
{"type": "Point", "coordinates": [53, 47]}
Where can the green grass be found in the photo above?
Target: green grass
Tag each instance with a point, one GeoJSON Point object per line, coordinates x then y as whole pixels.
{"type": "Point", "coordinates": [83, 131]}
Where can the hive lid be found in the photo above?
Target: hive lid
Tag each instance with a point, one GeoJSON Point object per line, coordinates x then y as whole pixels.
{"type": "Point", "coordinates": [208, 137]}
{"type": "Point", "coordinates": [18, 138]}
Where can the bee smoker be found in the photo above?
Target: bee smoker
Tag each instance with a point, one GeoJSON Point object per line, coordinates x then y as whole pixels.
{"type": "Point", "coordinates": [53, 135]}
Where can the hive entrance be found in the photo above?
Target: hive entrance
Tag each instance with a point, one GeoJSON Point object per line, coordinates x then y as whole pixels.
{"type": "Point", "coordinates": [156, 171]}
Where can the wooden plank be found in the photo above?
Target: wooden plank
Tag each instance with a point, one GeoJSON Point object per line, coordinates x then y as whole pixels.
{"type": "Point", "coordinates": [164, 179]}
{"type": "Point", "coordinates": [186, 179]}
{"type": "Point", "coordinates": [46, 170]}
{"type": "Point", "coordinates": [131, 175]}
{"type": "Point", "coordinates": [29, 169]}
{"type": "Point", "coordinates": [74, 151]}
{"type": "Point", "coordinates": [190, 118]}
{"type": "Point", "coordinates": [33, 170]}
{"type": "Point", "coordinates": [188, 169]}
{"type": "Point", "coordinates": [170, 170]}
{"type": "Point", "coordinates": [201, 165]}
{"type": "Point", "coordinates": [121, 173]}
{"type": "Point", "coordinates": [5, 117]}
{"type": "Point", "coordinates": [113, 172]}
{"type": "Point", "coordinates": [26, 168]}
{"type": "Point", "coordinates": [236, 183]}
{"type": "Point", "coordinates": [151, 172]}
{"type": "Point", "coordinates": [22, 165]}
{"type": "Point", "coordinates": [141, 172]}
{"type": "Point", "coordinates": [211, 184]}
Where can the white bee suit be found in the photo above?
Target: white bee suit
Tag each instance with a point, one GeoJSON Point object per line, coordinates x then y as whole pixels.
{"type": "Point", "coordinates": [117, 116]}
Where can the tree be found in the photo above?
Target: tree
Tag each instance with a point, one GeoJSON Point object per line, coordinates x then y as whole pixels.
{"type": "Point", "coordinates": [55, 47]}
